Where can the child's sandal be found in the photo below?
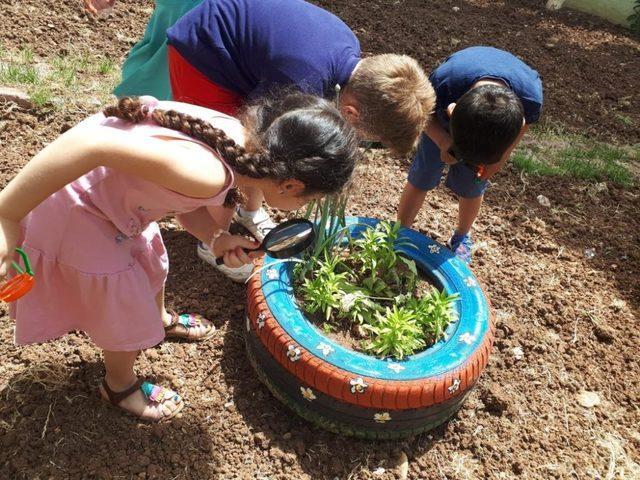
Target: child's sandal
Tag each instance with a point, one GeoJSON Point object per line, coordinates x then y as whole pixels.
{"type": "Point", "coordinates": [152, 393]}
{"type": "Point", "coordinates": [186, 323]}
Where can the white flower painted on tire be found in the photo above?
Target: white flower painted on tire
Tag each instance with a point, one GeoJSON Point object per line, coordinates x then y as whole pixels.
{"type": "Point", "coordinates": [467, 338]}
{"type": "Point", "coordinates": [325, 349]}
{"type": "Point", "coordinates": [470, 282]}
{"type": "Point", "coordinates": [261, 320]}
{"type": "Point", "coordinates": [358, 385]}
{"type": "Point", "coordinates": [272, 274]}
{"type": "Point", "coordinates": [308, 394]}
{"type": "Point", "coordinates": [293, 353]}
{"type": "Point", "coordinates": [434, 249]}
{"type": "Point", "coordinates": [382, 417]}
{"type": "Point", "coordinates": [454, 386]}
{"type": "Point", "coordinates": [396, 367]}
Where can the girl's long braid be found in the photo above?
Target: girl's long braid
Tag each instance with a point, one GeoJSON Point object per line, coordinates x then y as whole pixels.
{"type": "Point", "coordinates": [255, 165]}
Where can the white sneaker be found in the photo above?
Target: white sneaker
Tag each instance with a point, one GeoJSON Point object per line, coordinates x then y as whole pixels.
{"type": "Point", "coordinates": [238, 275]}
{"type": "Point", "coordinates": [259, 225]}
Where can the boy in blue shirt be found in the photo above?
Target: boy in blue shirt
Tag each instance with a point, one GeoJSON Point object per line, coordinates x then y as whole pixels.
{"type": "Point", "coordinates": [486, 99]}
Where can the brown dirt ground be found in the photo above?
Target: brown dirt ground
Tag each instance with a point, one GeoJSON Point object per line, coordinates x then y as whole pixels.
{"type": "Point", "coordinates": [574, 318]}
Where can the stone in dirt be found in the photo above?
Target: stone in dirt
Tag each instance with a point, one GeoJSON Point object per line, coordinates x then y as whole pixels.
{"type": "Point", "coordinates": [604, 333]}
{"type": "Point", "coordinates": [518, 353]}
{"type": "Point", "coordinates": [495, 399]}
{"type": "Point", "coordinates": [20, 98]}
{"type": "Point", "coordinates": [589, 399]}
{"type": "Point", "coordinates": [544, 201]}
{"type": "Point", "coordinates": [403, 466]}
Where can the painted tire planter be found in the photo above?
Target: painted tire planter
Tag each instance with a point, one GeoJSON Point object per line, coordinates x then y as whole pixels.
{"type": "Point", "coordinates": [356, 394]}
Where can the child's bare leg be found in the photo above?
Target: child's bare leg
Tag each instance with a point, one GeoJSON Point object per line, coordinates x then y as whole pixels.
{"type": "Point", "coordinates": [202, 223]}
{"type": "Point", "coordinates": [193, 332]}
{"type": "Point", "coordinates": [120, 376]}
{"type": "Point", "coordinates": [410, 204]}
{"type": "Point", "coordinates": [468, 209]}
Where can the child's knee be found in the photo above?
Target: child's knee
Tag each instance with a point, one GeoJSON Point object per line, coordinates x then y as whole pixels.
{"type": "Point", "coordinates": [462, 181]}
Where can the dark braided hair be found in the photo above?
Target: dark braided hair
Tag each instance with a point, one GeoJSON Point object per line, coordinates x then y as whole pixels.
{"type": "Point", "coordinates": [296, 136]}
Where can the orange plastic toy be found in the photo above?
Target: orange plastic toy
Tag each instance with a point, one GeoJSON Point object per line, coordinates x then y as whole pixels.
{"type": "Point", "coordinates": [19, 285]}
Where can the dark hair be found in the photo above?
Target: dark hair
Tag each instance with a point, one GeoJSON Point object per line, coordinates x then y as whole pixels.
{"type": "Point", "coordinates": [485, 122]}
{"type": "Point", "coordinates": [296, 136]}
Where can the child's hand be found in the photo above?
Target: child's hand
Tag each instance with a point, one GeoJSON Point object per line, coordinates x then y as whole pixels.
{"type": "Point", "coordinates": [9, 235]}
{"type": "Point", "coordinates": [94, 7]}
{"type": "Point", "coordinates": [445, 156]}
{"type": "Point", "coordinates": [232, 249]}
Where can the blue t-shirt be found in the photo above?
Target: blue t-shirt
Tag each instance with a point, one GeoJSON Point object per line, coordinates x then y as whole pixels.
{"type": "Point", "coordinates": [252, 46]}
{"type": "Point", "coordinates": [454, 77]}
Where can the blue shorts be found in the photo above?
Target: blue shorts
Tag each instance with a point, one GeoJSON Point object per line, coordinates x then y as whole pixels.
{"type": "Point", "coordinates": [427, 170]}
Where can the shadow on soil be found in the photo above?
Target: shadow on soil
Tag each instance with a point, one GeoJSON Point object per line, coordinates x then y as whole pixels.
{"type": "Point", "coordinates": [319, 453]}
{"type": "Point", "coordinates": [52, 420]}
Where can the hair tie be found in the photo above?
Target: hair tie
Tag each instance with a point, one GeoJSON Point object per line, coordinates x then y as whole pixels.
{"type": "Point", "coordinates": [149, 104]}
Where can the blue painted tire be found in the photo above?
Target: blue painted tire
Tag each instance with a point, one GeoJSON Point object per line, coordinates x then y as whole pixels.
{"type": "Point", "coordinates": [358, 390]}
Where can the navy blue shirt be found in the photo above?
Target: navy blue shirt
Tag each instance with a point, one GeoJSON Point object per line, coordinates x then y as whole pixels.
{"type": "Point", "coordinates": [252, 46]}
{"type": "Point", "coordinates": [460, 71]}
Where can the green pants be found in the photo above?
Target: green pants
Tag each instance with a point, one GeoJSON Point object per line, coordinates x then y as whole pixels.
{"type": "Point", "coordinates": [146, 69]}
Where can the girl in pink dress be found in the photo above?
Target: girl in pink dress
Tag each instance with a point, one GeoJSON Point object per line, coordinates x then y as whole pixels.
{"type": "Point", "coordinates": [85, 208]}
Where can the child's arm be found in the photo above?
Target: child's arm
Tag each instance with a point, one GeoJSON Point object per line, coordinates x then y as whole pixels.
{"type": "Point", "coordinates": [491, 170]}
{"type": "Point", "coordinates": [190, 172]}
{"type": "Point", "coordinates": [515, 143]}
{"type": "Point", "coordinates": [441, 138]}
{"type": "Point", "coordinates": [203, 224]}
{"type": "Point", "coordinates": [94, 7]}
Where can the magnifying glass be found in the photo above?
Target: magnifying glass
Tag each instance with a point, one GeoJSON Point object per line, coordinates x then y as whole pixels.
{"type": "Point", "coordinates": [286, 240]}
{"type": "Point", "coordinates": [18, 286]}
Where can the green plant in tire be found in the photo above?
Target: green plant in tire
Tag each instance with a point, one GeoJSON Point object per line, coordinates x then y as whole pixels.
{"type": "Point", "coordinates": [358, 308]}
{"type": "Point", "coordinates": [396, 333]}
{"type": "Point", "coordinates": [377, 254]}
{"type": "Point", "coordinates": [329, 216]}
{"type": "Point", "coordinates": [434, 311]}
{"type": "Point", "coordinates": [370, 283]}
{"type": "Point", "coordinates": [324, 291]}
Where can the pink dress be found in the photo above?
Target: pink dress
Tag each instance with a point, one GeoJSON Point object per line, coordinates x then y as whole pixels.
{"type": "Point", "coordinates": [97, 252]}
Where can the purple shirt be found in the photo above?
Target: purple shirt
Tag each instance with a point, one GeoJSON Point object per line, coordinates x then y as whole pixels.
{"type": "Point", "coordinates": [254, 46]}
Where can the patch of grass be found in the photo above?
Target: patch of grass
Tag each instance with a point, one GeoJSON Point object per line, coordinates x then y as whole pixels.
{"type": "Point", "coordinates": [80, 76]}
{"type": "Point", "coordinates": [18, 68]}
{"type": "Point", "coordinates": [26, 55]}
{"type": "Point", "coordinates": [71, 69]}
{"type": "Point", "coordinates": [624, 119]}
{"type": "Point", "coordinates": [18, 74]}
{"type": "Point", "coordinates": [65, 70]}
{"type": "Point", "coordinates": [105, 66]}
{"type": "Point", "coordinates": [41, 97]}
{"type": "Point", "coordinates": [528, 161]}
{"type": "Point", "coordinates": [600, 162]}
{"type": "Point", "coordinates": [554, 152]}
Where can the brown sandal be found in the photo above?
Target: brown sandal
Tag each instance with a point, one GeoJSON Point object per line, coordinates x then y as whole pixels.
{"type": "Point", "coordinates": [153, 393]}
{"type": "Point", "coordinates": [188, 321]}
